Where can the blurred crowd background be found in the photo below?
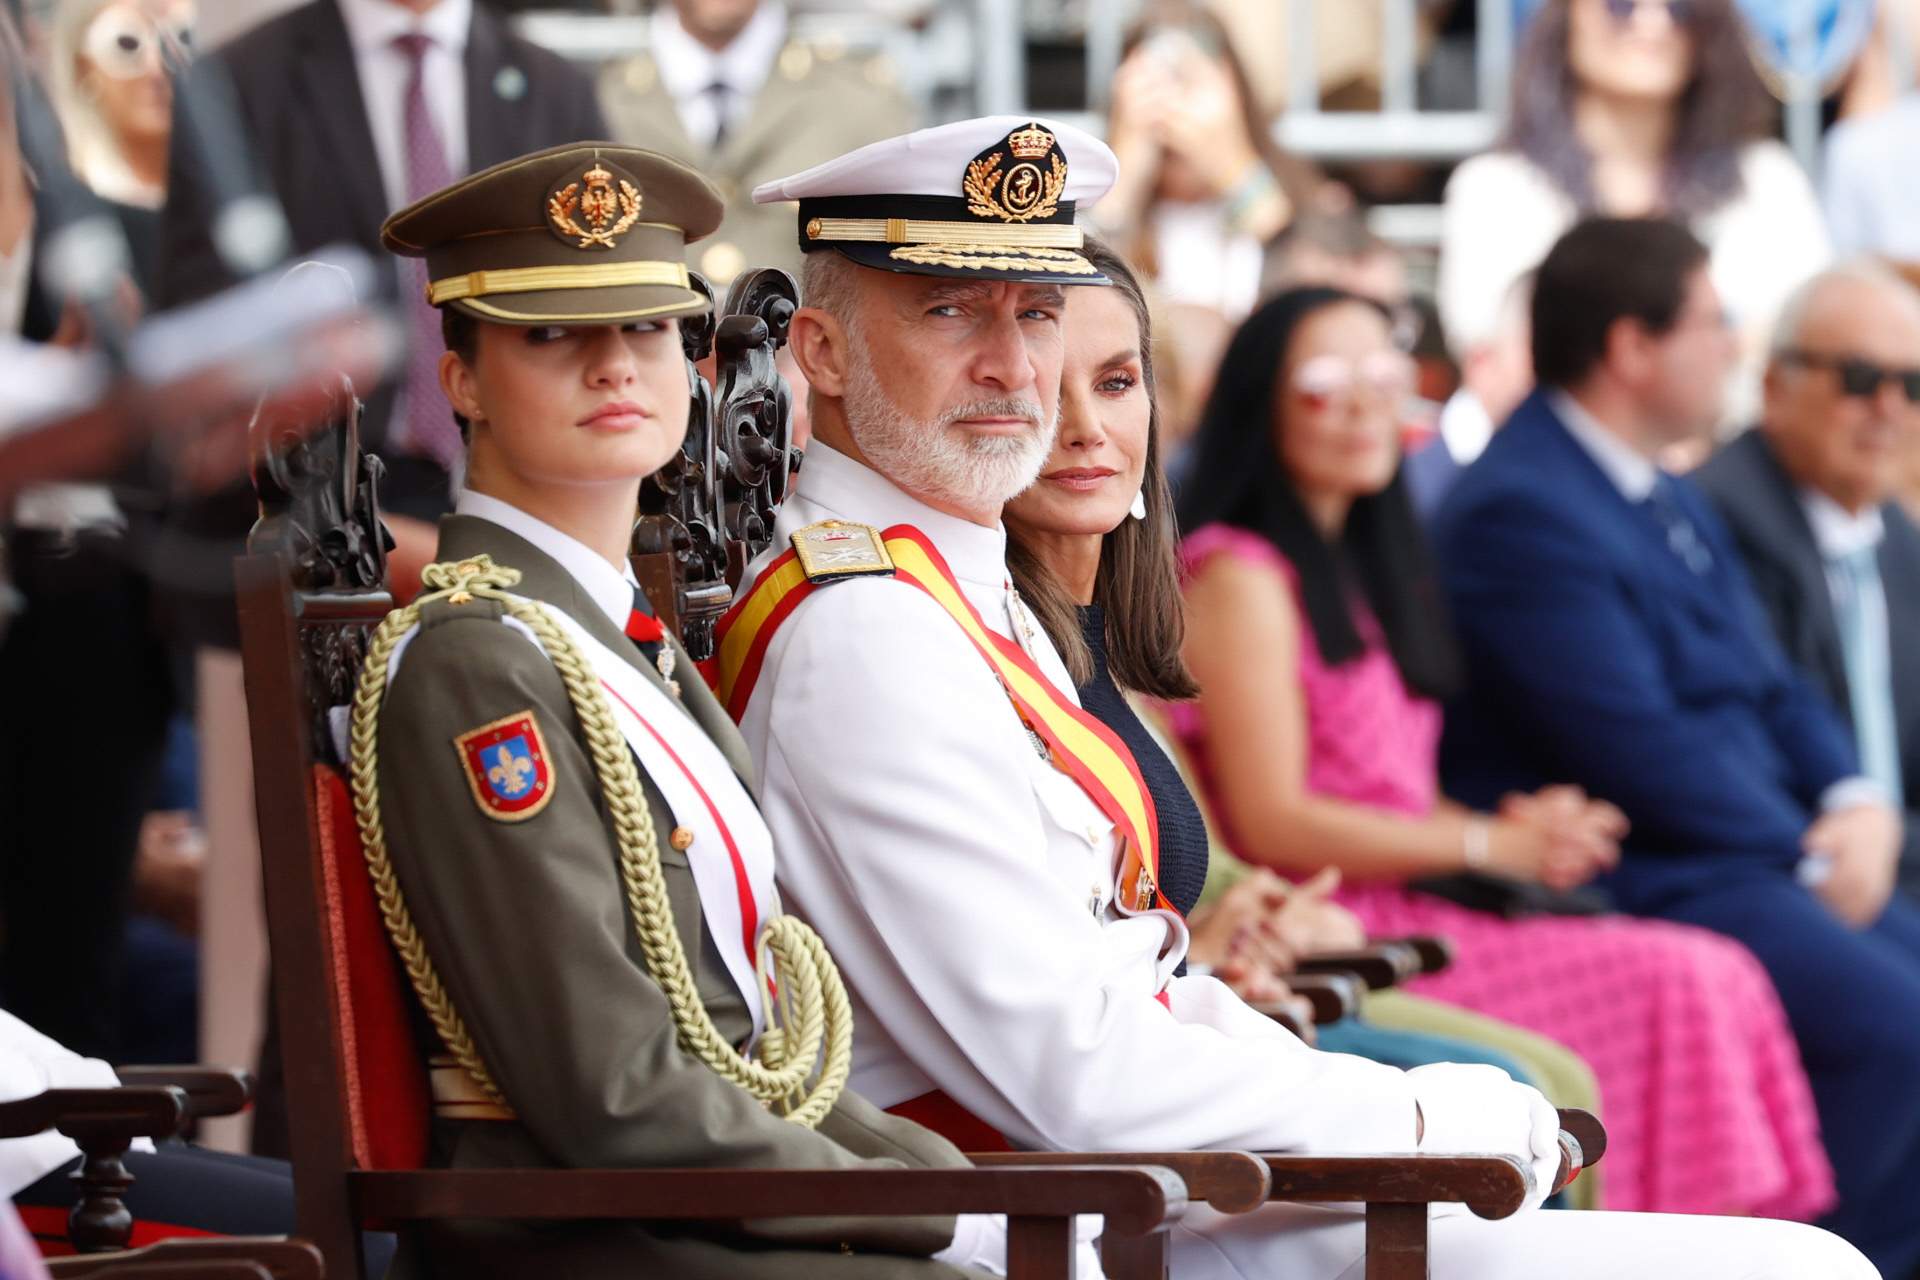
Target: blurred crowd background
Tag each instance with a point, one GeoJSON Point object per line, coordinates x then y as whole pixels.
{"type": "Point", "coordinates": [1423, 154]}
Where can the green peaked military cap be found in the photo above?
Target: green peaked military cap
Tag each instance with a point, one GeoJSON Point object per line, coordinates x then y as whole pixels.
{"type": "Point", "coordinates": [587, 233]}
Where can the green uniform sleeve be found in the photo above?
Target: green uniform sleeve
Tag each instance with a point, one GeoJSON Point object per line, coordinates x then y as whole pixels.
{"type": "Point", "coordinates": [526, 923]}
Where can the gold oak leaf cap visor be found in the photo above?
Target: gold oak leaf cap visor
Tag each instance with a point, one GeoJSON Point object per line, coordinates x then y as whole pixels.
{"type": "Point", "coordinates": [987, 199]}
{"type": "Point", "coordinates": [588, 233]}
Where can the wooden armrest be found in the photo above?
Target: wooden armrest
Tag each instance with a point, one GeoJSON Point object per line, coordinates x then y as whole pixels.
{"type": "Point", "coordinates": [211, 1091]}
{"type": "Point", "coordinates": [1491, 1186]}
{"type": "Point", "coordinates": [1379, 965]}
{"type": "Point", "coordinates": [1229, 1181]}
{"type": "Point", "coordinates": [1435, 953]}
{"type": "Point", "coordinates": [1333, 995]}
{"type": "Point", "coordinates": [1585, 1128]}
{"type": "Point", "coordinates": [97, 1116]}
{"type": "Point", "coordinates": [225, 1258]}
{"type": "Point", "coordinates": [1135, 1199]}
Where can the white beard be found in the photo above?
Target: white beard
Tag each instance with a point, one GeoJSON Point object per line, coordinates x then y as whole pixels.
{"type": "Point", "coordinates": [931, 459]}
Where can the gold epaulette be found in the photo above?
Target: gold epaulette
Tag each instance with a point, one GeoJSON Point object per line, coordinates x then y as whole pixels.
{"type": "Point", "coordinates": [836, 549]}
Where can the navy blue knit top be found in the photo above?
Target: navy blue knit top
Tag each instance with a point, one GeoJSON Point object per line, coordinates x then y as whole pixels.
{"type": "Point", "coordinates": [1183, 832]}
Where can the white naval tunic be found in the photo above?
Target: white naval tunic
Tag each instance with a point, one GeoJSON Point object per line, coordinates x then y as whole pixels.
{"type": "Point", "coordinates": [965, 887]}
{"type": "Point", "coordinates": [953, 874]}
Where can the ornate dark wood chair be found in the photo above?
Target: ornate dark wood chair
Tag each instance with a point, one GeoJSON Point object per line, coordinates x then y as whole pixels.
{"type": "Point", "coordinates": [156, 1103]}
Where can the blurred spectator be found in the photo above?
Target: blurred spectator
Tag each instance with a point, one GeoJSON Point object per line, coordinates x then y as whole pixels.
{"type": "Point", "coordinates": [724, 87]}
{"type": "Point", "coordinates": [1632, 108]}
{"type": "Point", "coordinates": [1809, 497]}
{"type": "Point", "coordinates": [353, 108]}
{"type": "Point", "coordinates": [107, 74]}
{"type": "Point", "coordinates": [1315, 632]}
{"type": "Point", "coordinates": [1348, 40]}
{"type": "Point", "coordinates": [1335, 248]}
{"type": "Point", "coordinates": [1871, 186]}
{"type": "Point", "coordinates": [1613, 641]}
{"type": "Point", "coordinates": [74, 787]}
{"type": "Point", "coordinates": [1496, 372]}
{"type": "Point", "coordinates": [1202, 184]}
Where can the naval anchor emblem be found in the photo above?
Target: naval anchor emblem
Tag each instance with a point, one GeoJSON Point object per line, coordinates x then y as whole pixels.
{"type": "Point", "coordinates": [1027, 190]}
{"type": "Point", "coordinates": [605, 211]}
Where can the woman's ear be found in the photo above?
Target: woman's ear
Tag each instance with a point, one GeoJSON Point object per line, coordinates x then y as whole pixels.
{"type": "Point", "coordinates": [818, 342]}
{"type": "Point", "coordinates": [460, 387]}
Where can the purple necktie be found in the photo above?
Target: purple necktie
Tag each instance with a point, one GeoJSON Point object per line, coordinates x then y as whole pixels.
{"type": "Point", "coordinates": [429, 429]}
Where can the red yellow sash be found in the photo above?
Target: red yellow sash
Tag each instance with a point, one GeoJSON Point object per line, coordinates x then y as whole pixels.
{"type": "Point", "coordinates": [1080, 746]}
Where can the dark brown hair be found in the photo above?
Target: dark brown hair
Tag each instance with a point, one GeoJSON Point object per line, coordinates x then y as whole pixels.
{"type": "Point", "coordinates": [1723, 107]}
{"type": "Point", "coordinates": [1138, 582]}
{"type": "Point", "coordinates": [1603, 271]}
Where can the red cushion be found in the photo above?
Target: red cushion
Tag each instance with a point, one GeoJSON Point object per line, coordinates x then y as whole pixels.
{"type": "Point", "coordinates": [388, 1101]}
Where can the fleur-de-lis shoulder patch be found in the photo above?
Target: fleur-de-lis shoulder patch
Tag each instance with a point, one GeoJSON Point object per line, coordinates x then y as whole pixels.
{"type": "Point", "coordinates": [507, 767]}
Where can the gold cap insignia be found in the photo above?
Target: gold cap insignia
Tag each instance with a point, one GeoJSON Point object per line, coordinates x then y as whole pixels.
{"type": "Point", "coordinates": [594, 212]}
{"type": "Point", "coordinates": [1027, 189]}
{"type": "Point", "coordinates": [835, 549]}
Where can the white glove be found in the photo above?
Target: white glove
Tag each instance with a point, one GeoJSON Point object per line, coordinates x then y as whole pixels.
{"type": "Point", "coordinates": [1470, 1109]}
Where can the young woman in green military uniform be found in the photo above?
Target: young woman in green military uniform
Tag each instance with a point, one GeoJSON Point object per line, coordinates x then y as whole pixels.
{"type": "Point", "coordinates": [574, 873]}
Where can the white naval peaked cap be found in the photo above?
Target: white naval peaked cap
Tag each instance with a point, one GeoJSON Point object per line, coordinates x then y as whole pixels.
{"type": "Point", "coordinates": [991, 198]}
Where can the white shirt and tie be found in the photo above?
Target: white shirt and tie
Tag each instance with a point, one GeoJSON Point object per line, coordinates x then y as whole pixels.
{"type": "Point", "coordinates": [1849, 544]}
{"type": "Point", "coordinates": [713, 91]}
{"type": "Point", "coordinates": [384, 70]}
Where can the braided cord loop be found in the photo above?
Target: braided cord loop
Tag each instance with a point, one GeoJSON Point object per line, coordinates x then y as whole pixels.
{"type": "Point", "coordinates": [815, 1014]}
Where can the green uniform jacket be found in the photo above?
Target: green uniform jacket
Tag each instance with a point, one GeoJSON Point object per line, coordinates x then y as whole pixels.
{"type": "Point", "coordinates": [818, 102]}
{"type": "Point", "coordinates": [527, 925]}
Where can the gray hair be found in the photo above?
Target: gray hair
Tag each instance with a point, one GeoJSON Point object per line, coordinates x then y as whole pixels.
{"type": "Point", "coordinates": [1787, 326]}
{"type": "Point", "coordinates": [830, 282]}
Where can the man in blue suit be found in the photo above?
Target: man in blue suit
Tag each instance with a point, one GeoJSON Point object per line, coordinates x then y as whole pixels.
{"type": "Point", "coordinates": [1612, 641]}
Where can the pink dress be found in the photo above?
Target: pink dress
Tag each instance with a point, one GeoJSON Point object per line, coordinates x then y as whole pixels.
{"type": "Point", "coordinates": [1706, 1104]}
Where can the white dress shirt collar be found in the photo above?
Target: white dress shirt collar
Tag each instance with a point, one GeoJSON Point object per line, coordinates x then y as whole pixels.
{"type": "Point", "coordinates": [854, 491]}
{"type": "Point", "coordinates": [1838, 532]}
{"type": "Point", "coordinates": [376, 24]}
{"type": "Point", "coordinates": [1632, 473]}
{"type": "Point", "coordinates": [611, 588]}
{"type": "Point", "coordinates": [1465, 426]}
{"type": "Point", "coordinates": [688, 68]}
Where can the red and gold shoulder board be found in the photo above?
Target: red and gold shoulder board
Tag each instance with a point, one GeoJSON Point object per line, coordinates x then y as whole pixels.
{"type": "Point", "coordinates": [507, 767]}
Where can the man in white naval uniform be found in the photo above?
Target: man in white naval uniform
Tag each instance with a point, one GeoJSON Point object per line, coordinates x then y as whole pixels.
{"type": "Point", "coordinates": [1000, 966]}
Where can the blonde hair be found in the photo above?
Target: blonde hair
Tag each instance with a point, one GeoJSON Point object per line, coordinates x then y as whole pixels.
{"type": "Point", "coordinates": [92, 150]}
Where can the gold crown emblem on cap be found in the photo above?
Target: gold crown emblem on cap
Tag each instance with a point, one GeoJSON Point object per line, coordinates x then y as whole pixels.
{"type": "Point", "coordinates": [1023, 192]}
{"type": "Point", "coordinates": [606, 211]}
{"type": "Point", "coordinates": [1030, 143]}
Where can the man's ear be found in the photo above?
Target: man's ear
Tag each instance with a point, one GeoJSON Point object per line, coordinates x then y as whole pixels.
{"type": "Point", "coordinates": [818, 342]}
{"type": "Point", "coordinates": [460, 387]}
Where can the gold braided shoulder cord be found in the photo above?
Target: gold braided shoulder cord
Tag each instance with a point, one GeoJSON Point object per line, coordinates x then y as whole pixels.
{"type": "Point", "coordinates": [813, 1007]}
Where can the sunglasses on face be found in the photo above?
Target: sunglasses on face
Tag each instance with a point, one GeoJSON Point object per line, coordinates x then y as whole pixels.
{"type": "Point", "coordinates": [125, 42]}
{"type": "Point", "coordinates": [1327, 380]}
{"type": "Point", "coordinates": [1681, 11]}
{"type": "Point", "coordinates": [1858, 377]}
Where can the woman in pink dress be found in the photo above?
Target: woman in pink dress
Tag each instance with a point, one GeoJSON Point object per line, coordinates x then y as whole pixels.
{"type": "Point", "coordinates": [1316, 633]}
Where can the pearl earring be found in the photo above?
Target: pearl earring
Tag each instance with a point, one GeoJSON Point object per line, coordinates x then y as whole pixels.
{"type": "Point", "coordinates": [1139, 508]}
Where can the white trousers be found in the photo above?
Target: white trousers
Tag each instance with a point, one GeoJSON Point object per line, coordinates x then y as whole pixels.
{"type": "Point", "coordinates": [1314, 1242]}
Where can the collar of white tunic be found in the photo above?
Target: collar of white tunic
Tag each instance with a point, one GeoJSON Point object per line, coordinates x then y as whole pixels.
{"type": "Point", "coordinates": [1632, 473]}
{"type": "Point", "coordinates": [1838, 531]}
{"type": "Point", "coordinates": [610, 587]}
{"type": "Point", "coordinates": [854, 491]}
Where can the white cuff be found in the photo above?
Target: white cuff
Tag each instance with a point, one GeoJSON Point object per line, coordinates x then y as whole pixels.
{"type": "Point", "coordinates": [1851, 792]}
